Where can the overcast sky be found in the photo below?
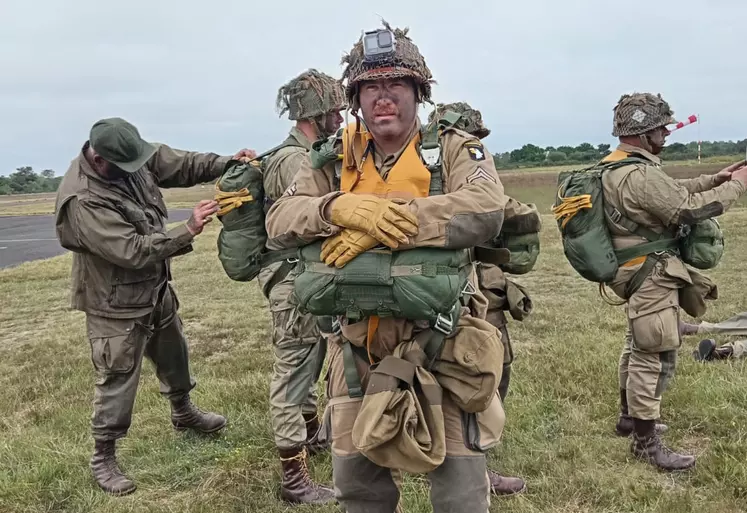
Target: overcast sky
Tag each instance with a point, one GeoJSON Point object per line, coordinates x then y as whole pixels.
{"type": "Point", "coordinates": [203, 75]}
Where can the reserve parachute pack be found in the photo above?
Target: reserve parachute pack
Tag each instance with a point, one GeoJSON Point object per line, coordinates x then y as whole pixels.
{"type": "Point", "coordinates": [582, 216]}
{"type": "Point", "coordinates": [418, 284]}
{"type": "Point", "coordinates": [241, 198]}
{"type": "Point", "coordinates": [702, 244]}
{"type": "Point", "coordinates": [520, 235]}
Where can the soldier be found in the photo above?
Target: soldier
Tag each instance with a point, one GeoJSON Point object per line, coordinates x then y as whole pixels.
{"type": "Point", "coordinates": [314, 100]}
{"type": "Point", "coordinates": [646, 204]}
{"type": "Point", "coordinates": [376, 193]}
{"type": "Point", "coordinates": [707, 349]}
{"type": "Point", "coordinates": [110, 213]}
{"type": "Point", "coordinates": [492, 279]}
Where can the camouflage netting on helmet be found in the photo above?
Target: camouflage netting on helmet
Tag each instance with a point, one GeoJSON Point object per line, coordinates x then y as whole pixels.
{"type": "Point", "coordinates": [471, 120]}
{"type": "Point", "coordinates": [406, 62]}
{"type": "Point", "coordinates": [637, 113]}
{"type": "Point", "coordinates": [311, 94]}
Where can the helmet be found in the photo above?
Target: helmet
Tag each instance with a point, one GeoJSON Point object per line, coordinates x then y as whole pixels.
{"type": "Point", "coordinates": [385, 53]}
{"type": "Point", "coordinates": [471, 120]}
{"type": "Point", "coordinates": [638, 113]}
{"type": "Point", "coordinates": [311, 94]}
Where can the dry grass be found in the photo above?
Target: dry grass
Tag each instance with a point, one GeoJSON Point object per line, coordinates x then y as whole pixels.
{"type": "Point", "coordinates": [561, 408]}
{"type": "Point", "coordinates": [43, 204]}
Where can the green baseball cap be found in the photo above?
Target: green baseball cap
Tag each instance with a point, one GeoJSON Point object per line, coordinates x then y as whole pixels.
{"type": "Point", "coordinates": [119, 142]}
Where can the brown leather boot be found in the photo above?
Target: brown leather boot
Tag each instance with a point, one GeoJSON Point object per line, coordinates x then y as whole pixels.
{"type": "Point", "coordinates": [624, 425]}
{"type": "Point", "coordinates": [708, 351]}
{"type": "Point", "coordinates": [313, 445]}
{"type": "Point", "coordinates": [502, 485]}
{"type": "Point", "coordinates": [106, 471]}
{"type": "Point", "coordinates": [648, 446]}
{"type": "Point", "coordinates": [297, 486]}
{"type": "Point", "coordinates": [185, 415]}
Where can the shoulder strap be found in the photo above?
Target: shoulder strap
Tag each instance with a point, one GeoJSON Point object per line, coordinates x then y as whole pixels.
{"type": "Point", "coordinates": [289, 141]}
{"type": "Point", "coordinates": [617, 217]}
{"type": "Point", "coordinates": [430, 149]}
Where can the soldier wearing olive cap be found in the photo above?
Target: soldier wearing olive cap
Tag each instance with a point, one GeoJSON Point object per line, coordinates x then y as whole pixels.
{"type": "Point", "coordinates": [110, 213]}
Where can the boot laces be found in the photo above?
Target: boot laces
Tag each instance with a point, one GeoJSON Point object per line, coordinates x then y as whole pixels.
{"type": "Point", "coordinates": [301, 458]}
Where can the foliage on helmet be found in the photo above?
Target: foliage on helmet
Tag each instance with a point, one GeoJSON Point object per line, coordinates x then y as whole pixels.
{"type": "Point", "coordinates": [309, 95]}
{"type": "Point", "coordinates": [470, 120]}
{"type": "Point", "coordinates": [638, 113]}
{"type": "Point", "coordinates": [407, 61]}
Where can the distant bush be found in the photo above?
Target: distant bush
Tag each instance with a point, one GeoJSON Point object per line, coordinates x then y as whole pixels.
{"type": "Point", "coordinates": [26, 181]}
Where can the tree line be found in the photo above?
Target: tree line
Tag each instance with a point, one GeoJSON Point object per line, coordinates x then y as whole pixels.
{"type": "Point", "coordinates": [585, 153]}
{"type": "Point", "coordinates": [26, 181]}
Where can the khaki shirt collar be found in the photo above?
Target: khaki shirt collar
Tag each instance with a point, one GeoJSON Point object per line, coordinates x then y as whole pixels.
{"type": "Point", "coordinates": [627, 148]}
{"type": "Point", "coordinates": [300, 137]}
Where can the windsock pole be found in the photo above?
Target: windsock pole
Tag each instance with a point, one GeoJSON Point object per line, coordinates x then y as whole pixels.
{"type": "Point", "coordinates": [690, 120]}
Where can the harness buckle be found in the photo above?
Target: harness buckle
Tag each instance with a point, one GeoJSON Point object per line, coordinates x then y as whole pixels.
{"type": "Point", "coordinates": [468, 290]}
{"type": "Point", "coordinates": [292, 260]}
{"type": "Point", "coordinates": [615, 215]}
{"type": "Point", "coordinates": [443, 324]}
{"type": "Point", "coordinates": [336, 326]}
{"type": "Point", "coordinates": [431, 156]}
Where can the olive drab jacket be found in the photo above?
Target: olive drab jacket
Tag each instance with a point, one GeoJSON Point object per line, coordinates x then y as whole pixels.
{"type": "Point", "coordinates": [646, 195]}
{"type": "Point", "coordinates": [468, 213]}
{"type": "Point", "coordinates": [282, 166]}
{"type": "Point", "coordinates": [116, 229]}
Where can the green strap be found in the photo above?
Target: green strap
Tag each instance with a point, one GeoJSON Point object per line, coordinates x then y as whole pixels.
{"type": "Point", "coordinates": [352, 379]}
{"type": "Point", "coordinates": [626, 254]}
{"type": "Point", "coordinates": [640, 276]}
{"type": "Point", "coordinates": [424, 269]}
{"type": "Point", "coordinates": [289, 141]}
{"type": "Point", "coordinates": [270, 257]}
{"type": "Point", "coordinates": [618, 218]}
{"type": "Point", "coordinates": [430, 150]}
{"type": "Point", "coordinates": [495, 256]}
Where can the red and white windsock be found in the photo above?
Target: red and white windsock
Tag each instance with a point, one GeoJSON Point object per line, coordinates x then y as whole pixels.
{"type": "Point", "coordinates": [690, 120]}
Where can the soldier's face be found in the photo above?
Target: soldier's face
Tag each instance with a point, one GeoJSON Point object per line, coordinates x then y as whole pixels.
{"type": "Point", "coordinates": [332, 122]}
{"type": "Point", "coordinates": [388, 106]}
{"type": "Point", "coordinates": [657, 139]}
{"type": "Point", "coordinates": [107, 169]}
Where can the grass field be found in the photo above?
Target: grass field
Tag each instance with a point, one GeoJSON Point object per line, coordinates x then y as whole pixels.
{"type": "Point", "coordinates": [561, 408]}
{"type": "Point", "coordinates": [535, 183]}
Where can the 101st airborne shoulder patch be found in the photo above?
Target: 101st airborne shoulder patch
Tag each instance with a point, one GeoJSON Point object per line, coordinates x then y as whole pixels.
{"type": "Point", "coordinates": [475, 150]}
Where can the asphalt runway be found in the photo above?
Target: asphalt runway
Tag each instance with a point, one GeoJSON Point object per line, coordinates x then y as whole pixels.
{"type": "Point", "coordinates": [27, 238]}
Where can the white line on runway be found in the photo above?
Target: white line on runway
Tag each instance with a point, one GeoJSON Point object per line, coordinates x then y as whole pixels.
{"type": "Point", "coordinates": [26, 240]}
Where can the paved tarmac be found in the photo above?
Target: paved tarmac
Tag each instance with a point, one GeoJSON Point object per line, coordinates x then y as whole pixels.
{"type": "Point", "coordinates": [27, 238]}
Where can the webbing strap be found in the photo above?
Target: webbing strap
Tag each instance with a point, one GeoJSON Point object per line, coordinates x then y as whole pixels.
{"type": "Point", "coordinates": [352, 379]}
{"type": "Point", "coordinates": [626, 254]}
{"type": "Point", "coordinates": [495, 256]}
{"type": "Point", "coordinates": [425, 269]}
{"type": "Point", "coordinates": [640, 276]}
{"type": "Point", "coordinates": [430, 150]}
{"type": "Point", "coordinates": [398, 368]}
{"type": "Point", "coordinates": [618, 218]}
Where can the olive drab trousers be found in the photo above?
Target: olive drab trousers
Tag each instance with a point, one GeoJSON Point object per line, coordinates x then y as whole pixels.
{"type": "Point", "coordinates": [459, 484]}
{"type": "Point", "coordinates": [648, 359]}
{"type": "Point", "coordinates": [117, 350]}
{"type": "Point", "coordinates": [299, 353]}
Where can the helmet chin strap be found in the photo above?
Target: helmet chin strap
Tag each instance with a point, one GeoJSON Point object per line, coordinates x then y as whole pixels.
{"type": "Point", "coordinates": [646, 143]}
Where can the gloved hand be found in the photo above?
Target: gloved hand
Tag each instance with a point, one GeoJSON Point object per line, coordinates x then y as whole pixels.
{"type": "Point", "coordinates": [381, 218]}
{"type": "Point", "coordinates": [345, 246]}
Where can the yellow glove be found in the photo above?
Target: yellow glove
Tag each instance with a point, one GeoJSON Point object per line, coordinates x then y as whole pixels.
{"type": "Point", "coordinates": [381, 218]}
{"type": "Point", "coordinates": [345, 246]}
